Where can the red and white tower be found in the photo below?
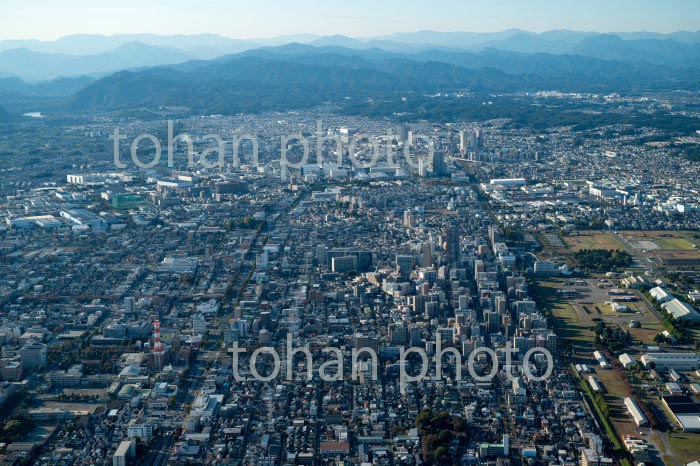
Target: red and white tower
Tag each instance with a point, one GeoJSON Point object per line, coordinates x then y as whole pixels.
{"type": "Point", "coordinates": [158, 352]}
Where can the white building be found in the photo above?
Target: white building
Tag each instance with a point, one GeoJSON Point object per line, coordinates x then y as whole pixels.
{"type": "Point", "coordinates": [678, 361]}
{"type": "Point", "coordinates": [33, 355]}
{"type": "Point", "coordinates": [508, 182]}
{"type": "Point", "coordinates": [125, 450]}
{"type": "Point", "coordinates": [627, 361]}
{"type": "Point", "coordinates": [142, 430]}
{"type": "Point", "coordinates": [602, 361]}
{"type": "Point", "coordinates": [595, 384]}
{"type": "Point", "coordinates": [660, 295]}
{"type": "Point", "coordinates": [681, 311]}
{"type": "Point", "coordinates": [635, 411]}
{"type": "Point", "coordinates": [199, 324]}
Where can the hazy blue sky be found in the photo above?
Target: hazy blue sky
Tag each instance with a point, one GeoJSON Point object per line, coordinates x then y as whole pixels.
{"type": "Point", "coordinates": [50, 19]}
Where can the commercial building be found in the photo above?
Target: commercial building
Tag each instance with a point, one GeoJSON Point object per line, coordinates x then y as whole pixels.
{"type": "Point", "coordinates": [590, 457]}
{"type": "Point", "coordinates": [508, 182]}
{"type": "Point", "coordinates": [33, 355]}
{"type": "Point", "coordinates": [546, 269]}
{"type": "Point", "coordinates": [125, 450]}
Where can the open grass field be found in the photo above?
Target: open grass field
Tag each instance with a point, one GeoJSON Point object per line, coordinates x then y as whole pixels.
{"type": "Point", "coordinates": [571, 327]}
{"type": "Point", "coordinates": [670, 248]}
{"type": "Point", "coordinates": [674, 244]}
{"type": "Point", "coordinates": [664, 240]}
{"type": "Point", "coordinates": [614, 384]}
{"type": "Point", "coordinates": [686, 446]}
{"type": "Point", "coordinates": [593, 239]}
{"type": "Point", "coordinates": [650, 325]}
{"type": "Point", "coordinates": [569, 324]}
{"type": "Point", "coordinates": [647, 332]}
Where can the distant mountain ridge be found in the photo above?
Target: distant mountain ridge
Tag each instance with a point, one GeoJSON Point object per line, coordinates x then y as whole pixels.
{"type": "Point", "coordinates": [30, 65]}
{"type": "Point", "coordinates": [4, 115]}
{"type": "Point", "coordinates": [299, 75]}
{"type": "Point", "coordinates": [97, 55]}
{"type": "Point", "coordinates": [59, 87]}
{"type": "Point", "coordinates": [283, 74]}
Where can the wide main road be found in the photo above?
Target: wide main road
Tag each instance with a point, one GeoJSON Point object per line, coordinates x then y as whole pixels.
{"type": "Point", "coordinates": [160, 449]}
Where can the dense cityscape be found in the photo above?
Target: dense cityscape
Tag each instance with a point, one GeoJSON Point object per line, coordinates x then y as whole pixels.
{"type": "Point", "coordinates": [467, 276]}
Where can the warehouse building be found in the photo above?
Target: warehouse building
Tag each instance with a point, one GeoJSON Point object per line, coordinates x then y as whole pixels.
{"type": "Point", "coordinates": [685, 412]}
{"type": "Point", "coordinates": [677, 361]}
{"type": "Point", "coordinates": [635, 411]}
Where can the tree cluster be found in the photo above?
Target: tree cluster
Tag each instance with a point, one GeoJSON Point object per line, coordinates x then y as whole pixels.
{"type": "Point", "coordinates": [437, 432]}
{"type": "Point", "coordinates": [601, 260]}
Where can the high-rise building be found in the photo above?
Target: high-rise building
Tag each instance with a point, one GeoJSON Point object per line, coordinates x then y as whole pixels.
{"type": "Point", "coordinates": [452, 244]}
{"type": "Point", "coordinates": [125, 450]}
{"type": "Point", "coordinates": [463, 141]}
{"type": "Point", "coordinates": [416, 335]}
{"type": "Point", "coordinates": [365, 341]}
{"type": "Point", "coordinates": [129, 305]}
{"type": "Point", "coordinates": [432, 309]}
{"type": "Point", "coordinates": [199, 324]}
{"type": "Point", "coordinates": [439, 165]}
{"type": "Point", "coordinates": [409, 220]}
{"type": "Point", "coordinates": [398, 333]}
{"type": "Point", "coordinates": [422, 170]}
{"type": "Point", "coordinates": [401, 133]}
{"type": "Point", "coordinates": [404, 264]}
{"type": "Point", "coordinates": [551, 344]}
{"type": "Point", "coordinates": [344, 264]}
{"type": "Point", "coordinates": [427, 255]}
{"type": "Point", "coordinates": [411, 138]}
{"type": "Point", "coordinates": [494, 236]}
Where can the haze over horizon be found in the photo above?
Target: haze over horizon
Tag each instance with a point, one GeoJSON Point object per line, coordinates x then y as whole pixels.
{"type": "Point", "coordinates": [271, 18]}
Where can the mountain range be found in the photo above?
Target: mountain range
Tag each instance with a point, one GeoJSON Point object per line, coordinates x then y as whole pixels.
{"type": "Point", "coordinates": [97, 55]}
{"type": "Point", "coordinates": [210, 73]}
{"type": "Point", "coordinates": [30, 65]}
{"type": "Point", "coordinates": [300, 75]}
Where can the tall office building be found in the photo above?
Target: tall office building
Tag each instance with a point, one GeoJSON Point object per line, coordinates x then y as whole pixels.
{"type": "Point", "coordinates": [494, 236]}
{"type": "Point", "coordinates": [411, 138]}
{"type": "Point", "coordinates": [422, 169]}
{"type": "Point", "coordinates": [439, 164]}
{"type": "Point", "coordinates": [463, 141]}
{"type": "Point", "coordinates": [452, 244]}
{"type": "Point", "coordinates": [129, 305]}
{"type": "Point", "coordinates": [427, 255]}
{"type": "Point", "coordinates": [409, 220]}
{"type": "Point", "coordinates": [398, 333]}
{"type": "Point", "coordinates": [401, 133]}
{"type": "Point", "coordinates": [404, 264]}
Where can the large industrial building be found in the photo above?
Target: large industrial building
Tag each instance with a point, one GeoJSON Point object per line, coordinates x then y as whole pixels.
{"type": "Point", "coordinates": [678, 361]}
{"type": "Point", "coordinates": [685, 411]}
